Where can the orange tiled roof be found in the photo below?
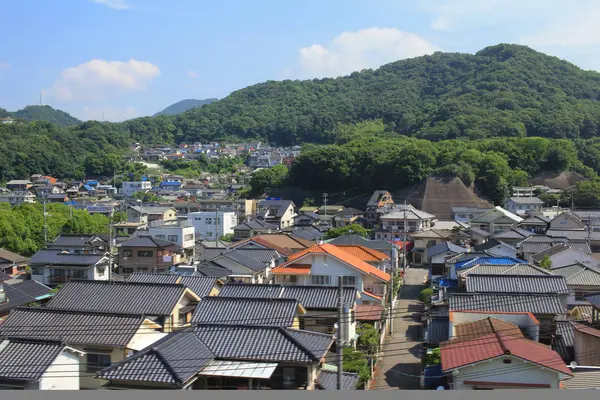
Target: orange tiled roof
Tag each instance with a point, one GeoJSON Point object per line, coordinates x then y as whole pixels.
{"type": "Point", "coordinates": [373, 295]}
{"type": "Point", "coordinates": [296, 269]}
{"type": "Point", "coordinates": [341, 255]}
{"type": "Point", "coordinates": [363, 252]}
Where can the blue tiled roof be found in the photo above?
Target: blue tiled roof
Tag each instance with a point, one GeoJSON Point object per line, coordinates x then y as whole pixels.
{"type": "Point", "coordinates": [88, 187]}
{"type": "Point", "coordinates": [170, 183]}
{"type": "Point", "coordinates": [451, 283]}
{"type": "Point", "coordinates": [92, 182]}
{"type": "Point", "coordinates": [488, 260]}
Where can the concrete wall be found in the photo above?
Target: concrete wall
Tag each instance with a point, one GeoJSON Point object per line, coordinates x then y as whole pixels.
{"type": "Point", "coordinates": [496, 371]}
{"type": "Point", "coordinates": [180, 233]}
{"type": "Point", "coordinates": [205, 227]}
{"type": "Point", "coordinates": [63, 374]}
{"type": "Point", "coordinates": [587, 348]}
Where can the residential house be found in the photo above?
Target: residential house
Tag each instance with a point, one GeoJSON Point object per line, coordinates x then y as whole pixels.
{"type": "Point", "coordinates": [535, 223]}
{"type": "Point", "coordinates": [277, 212]}
{"type": "Point", "coordinates": [17, 197]}
{"type": "Point", "coordinates": [251, 228]}
{"type": "Point", "coordinates": [131, 188]}
{"type": "Point", "coordinates": [486, 359]}
{"type": "Point", "coordinates": [80, 244]}
{"type": "Point", "coordinates": [146, 253]}
{"type": "Point", "coordinates": [562, 255]}
{"type": "Point", "coordinates": [465, 214]}
{"type": "Point", "coordinates": [54, 267]}
{"type": "Point", "coordinates": [527, 323]}
{"type": "Point", "coordinates": [391, 249]}
{"type": "Point", "coordinates": [404, 218]}
{"type": "Point", "coordinates": [19, 185]}
{"type": "Point", "coordinates": [460, 267]}
{"type": "Point", "coordinates": [310, 233]}
{"type": "Point", "coordinates": [524, 205]}
{"type": "Point", "coordinates": [323, 264]}
{"type": "Point", "coordinates": [306, 218]}
{"type": "Point", "coordinates": [581, 280]}
{"type": "Point", "coordinates": [182, 233]}
{"type": "Point", "coordinates": [279, 358]}
{"type": "Point", "coordinates": [376, 258]}
{"type": "Point", "coordinates": [284, 243]}
{"type": "Point", "coordinates": [379, 204]}
{"type": "Point", "coordinates": [45, 190]}
{"type": "Point", "coordinates": [87, 332]}
{"type": "Point", "coordinates": [348, 216]}
{"type": "Point", "coordinates": [319, 302]}
{"type": "Point", "coordinates": [513, 235]}
{"type": "Point", "coordinates": [202, 286]}
{"type": "Point", "coordinates": [16, 293]}
{"type": "Point", "coordinates": [243, 266]}
{"type": "Point", "coordinates": [478, 236]}
{"type": "Point", "coordinates": [146, 214]}
{"type": "Point", "coordinates": [496, 248]}
{"type": "Point", "coordinates": [496, 220]}
{"type": "Point", "coordinates": [30, 364]}
{"type": "Point", "coordinates": [438, 254]}
{"type": "Point", "coordinates": [212, 225]}
{"type": "Point", "coordinates": [12, 263]}
{"type": "Point", "coordinates": [430, 238]}
{"type": "Point", "coordinates": [586, 343]}
{"type": "Point", "coordinates": [567, 221]}
{"type": "Point", "coordinates": [537, 243]}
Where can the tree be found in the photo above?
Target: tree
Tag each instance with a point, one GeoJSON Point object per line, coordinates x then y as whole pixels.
{"type": "Point", "coordinates": [545, 262]}
{"type": "Point", "coordinates": [227, 238]}
{"type": "Point", "coordinates": [368, 338]}
{"type": "Point", "coordinates": [308, 202]}
{"type": "Point", "coordinates": [352, 229]}
{"type": "Point", "coordinates": [268, 178]}
{"type": "Point", "coordinates": [587, 194]}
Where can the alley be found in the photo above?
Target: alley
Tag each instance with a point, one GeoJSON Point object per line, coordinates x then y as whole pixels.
{"type": "Point", "coordinates": [400, 359]}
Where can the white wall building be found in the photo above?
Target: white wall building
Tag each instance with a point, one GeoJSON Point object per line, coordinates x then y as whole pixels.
{"type": "Point", "coordinates": [212, 225]}
{"type": "Point", "coordinates": [181, 233]}
{"type": "Point", "coordinates": [131, 188]}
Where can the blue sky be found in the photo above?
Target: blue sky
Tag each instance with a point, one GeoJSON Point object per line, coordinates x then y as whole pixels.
{"type": "Point", "coordinates": [130, 58]}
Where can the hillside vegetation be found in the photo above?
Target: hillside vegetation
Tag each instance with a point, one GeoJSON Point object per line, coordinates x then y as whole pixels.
{"type": "Point", "coordinates": [42, 113]}
{"type": "Point", "coordinates": [184, 105]}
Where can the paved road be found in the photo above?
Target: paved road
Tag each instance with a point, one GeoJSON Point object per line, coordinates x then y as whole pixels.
{"type": "Point", "coordinates": [401, 351]}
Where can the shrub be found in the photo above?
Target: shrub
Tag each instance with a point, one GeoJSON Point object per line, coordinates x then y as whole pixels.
{"type": "Point", "coordinates": [426, 294]}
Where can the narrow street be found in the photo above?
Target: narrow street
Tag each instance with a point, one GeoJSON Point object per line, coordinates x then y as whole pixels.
{"type": "Point", "coordinates": [401, 351]}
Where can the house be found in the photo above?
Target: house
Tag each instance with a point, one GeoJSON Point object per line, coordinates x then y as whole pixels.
{"type": "Point", "coordinates": [87, 332]}
{"type": "Point", "coordinates": [465, 214]}
{"type": "Point", "coordinates": [167, 304]}
{"type": "Point", "coordinates": [16, 293]}
{"type": "Point", "coordinates": [379, 204]}
{"type": "Point", "coordinates": [277, 212]}
{"type": "Point", "coordinates": [319, 302]}
{"type": "Point", "coordinates": [17, 197]}
{"type": "Point", "coordinates": [54, 267]}
{"type": "Point", "coordinates": [496, 248]}
{"type": "Point", "coordinates": [524, 205]}
{"type": "Point", "coordinates": [471, 261]}
{"type": "Point", "coordinates": [567, 221]}
{"type": "Point", "coordinates": [527, 323]}
{"type": "Point", "coordinates": [348, 216]}
{"type": "Point", "coordinates": [19, 185]}
{"type": "Point", "coordinates": [306, 218]}
{"type": "Point", "coordinates": [535, 223]}
{"type": "Point", "coordinates": [12, 263]}
{"type": "Point", "coordinates": [478, 236]}
{"type": "Point", "coordinates": [45, 190]}
{"type": "Point", "coordinates": [487, 359]}
{"type": "Point", "coordinates": [376, 258]}
{"type": "Point", "coordinates": [581, 280]}
{"type": "Point", "coordinates": [241, 267]}
{"type": "Point", "coordinates": [438, 254]}
{"type": "Point", "coordinates": [180, 232]}
{"type": "Point", "coordinates": [537, 243]}
{"type": "Point", "coordinates": [277, 358]}
{"type": "Point", "coordinates": [131, 188]}
{"type": "Point", "coordinates": [391, 249]}
{"type": "Point", "coordinates": [310, 233]}
{"type": "Point", "coordinates": [404, 218]}
{"type": "Point", "coordinates": [323, 264]}
{"type": "Point", "coordinates": [202, 286]}
{"type": "Point", "coordinates": [496, 220]}
{"type": "Point", "coordinates": [30, 364]}
{"type": "Point", "coordinates": [513, 235]}
{"type": "Point", "coordinates": [212, 225]}
{"type": "Point", "coordinates": [145, 253]}
{"type": "Point", "coordinates": [284, 244]}
{"type": "Point", "coordinates": [80, 244]}
{"type": "Point", "coordinates": [583, 378]}
{"type": "Point", "coordinates": [430, 238]}
{"type": "Point", "coordinates": [146, 214]}
{"type": "Point", "coordinates": [562, 255]}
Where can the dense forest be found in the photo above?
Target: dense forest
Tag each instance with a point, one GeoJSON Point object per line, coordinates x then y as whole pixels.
{"type": "Point", "coordinates": [184, 105]}
{"type": "Point", "coordinates": [42, 113]}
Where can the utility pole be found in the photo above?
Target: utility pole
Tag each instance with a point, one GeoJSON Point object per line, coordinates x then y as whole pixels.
{"type": "Point", "coordinates": [339, 332]}
{"type": "Point", "coordinates": [589, 230]}
{"type": "Point", "coordinates": [391, 286]}
{"type": "Point", "coordinates": [45, 222]}
{"type": "Point", "coordinates": [404, 242]}
{"type": "Point", "coordinates": [110, 244]}
{"type": "Point", "coordinates": [325, 204]}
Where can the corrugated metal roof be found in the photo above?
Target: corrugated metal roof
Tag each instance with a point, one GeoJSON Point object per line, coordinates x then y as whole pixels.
{"type": "Point", "coordinates": [583, 379]}
{"type": "Point", "coordinates": [313, 297]}
{"type": "Point", "coordinates": [248, 311]}
{"type": "Point", "coordinates": [438, 330]}
{"type": "Point", "coordinates": [563, 342]}
{"type": "Point", "coordinates": [71, 327]}
{"type": "Point", "coordinates": [542, 284]}
{"type": "Point", "coordinates": [124, 297]}
{"type": "Point", "coordinates": [239, 369]}
{"type": "Point", "coordinates": [22, 359]}
{"type": "Point", "coordinates": [536, 304]}
{"type": "Point", "coordinates": [327, 380]}
{"type": "Point", "coordinates": [594, 298]}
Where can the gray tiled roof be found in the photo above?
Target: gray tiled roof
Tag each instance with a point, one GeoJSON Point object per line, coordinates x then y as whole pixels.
{"type": "Point", "coordinates": [594, 298]}
{"type": "Point", "coordinates": [248, 311]}
{"type": "Point", "coordinates": [579, 274]}
{"type": "Point", "coordinates": [213, 270]}
{"type": "Point", "coordinates": [573, 235]}
{"type": "Point", "coordinates": [200, 285]}
{"type": "Point", "coordinates": [438, 330]}
{"type": "Point", "coordinates": [208, 254]}
{"type": "Point", "coordinates": [45, 257]}
{"type": "Point", "coordinates": [563, 343]}
{"type": "Point", "coordinates": [281, 205]}
{"type": "Point", "coordinates": [443, 247]}
{"type": "Point", "coordinates": [124, 297]}
{"type": "Point", "coordinates": [262, 255]}
{"type": "Point", "coordinates": [148, 241]}
{"type": "Point", "coordinates": [526, 200]}
{"type": "Point", "coordinates": [309, 296]}
{"type": "Point", "coordinates": [513, 234]}
{"type": "Point", "coordinates": [71, 326]}
{"type": "Point", "coordinates": [23, 293]}
{"type": "Point", "coordinates": [148, 277]}
{"type": "Point", "coordinates": [241, 258]}
{"type": "Point", "coordinates": [536, 304]}
{"type": "Point", "coordinates": [11, 257]}
{"type": "Point", "coordinates": [539, 284]}
{"type": "Point", "coordinates": [75, 240]}
{"type": "Point", "coordinates": [182, 354]}
{"type": "Point", "coordinates": [23, 359]}
{"type": "Point", "coordinates": [327, 380]}
{"type": "Point", "coordinates": [517, 269]}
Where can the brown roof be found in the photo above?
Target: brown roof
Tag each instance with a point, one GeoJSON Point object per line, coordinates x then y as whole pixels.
{"type": "Point", "coordinates": [364, 253]}
{"type": "Point", "coordinates": [586, 329]}
{"type": "Point", "coordinates": [11, 257]}
{"type": "Point", "coordinates": [472, 330]}
{"type": "Point", "coordinates": [278, 241]}
{"type": "Point", "coordinates": [555, 180]}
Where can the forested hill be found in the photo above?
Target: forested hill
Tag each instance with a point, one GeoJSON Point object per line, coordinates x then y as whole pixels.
{"type": "Point", "coordinates": [503, 90]}
{"type": "Point", "coordinates": [184, 105]}
{"type": "Point", "coordinates": [42, 113]}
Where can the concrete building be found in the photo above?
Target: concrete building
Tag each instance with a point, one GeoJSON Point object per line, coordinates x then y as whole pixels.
{"type": "Point", "coordinates": [131, 188]}
{"type": "Point", "coordinates": [182, 233]}
{"type": "Point", "coordinates": [212, 225]}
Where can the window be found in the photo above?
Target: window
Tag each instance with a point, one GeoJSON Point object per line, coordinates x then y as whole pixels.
{"type": "Point", "coordinates": [172, 238]}
{"type": "Point", "coordinates": [128, 270]}
{"type": "Point", "coordinates": [160, 237]}
{"type": "Point", "coordinates": [96, 362]}
{"type": "Point", "coordinates": [320, 279]}
{"type": "Point", "coordinates": [127, 253]}
{"type": "Point", "coordinates": [36, 271]}
{"type": "Point", "coordinates": [349, 280]}
{"type": "Point", "coordinates": [101, 271]}
{"type": "Point", "coordinates": [145, 253]}
{"type": "Point", "coordinates": [188, 237]}
{"type": "Point", "coordinates": [142, 269]}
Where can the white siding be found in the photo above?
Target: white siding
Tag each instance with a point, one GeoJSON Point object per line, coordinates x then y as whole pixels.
{"type": "Point", "coordinates": [205, 227]}
{"type": "Point", "coordinates": [63, 374]}
{"type": "Point", "coordinates": [131, 188]}
{"type": "Point", "coordinates": [178, 233]}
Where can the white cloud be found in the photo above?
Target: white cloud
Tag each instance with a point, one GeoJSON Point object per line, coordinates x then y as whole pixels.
{"type": "Point", "coordinates": [4, 65]}
{"type": "Point", "coordinates": [113, 114]}
{"type": "Point", "coordinates": [192, 74]}
{"type": "Point", "coordinates": [367, 48]}
{"type": "Point", "coordinates": [116, 4]}
{"type": "Point", "coordinates": [97, 79]}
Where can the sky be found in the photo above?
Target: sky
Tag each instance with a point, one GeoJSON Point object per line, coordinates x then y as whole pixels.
{"type": "Point", "coordinates": [121, 59]}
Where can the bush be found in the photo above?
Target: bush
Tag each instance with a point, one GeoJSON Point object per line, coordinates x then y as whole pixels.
{"type": "Point", "coordinates": [433, 358]}
{"type": "Point", "coordinates": [425, 296]}
{"type": "Point", "coordinates": [358, 362]}
{"type": "Point", "coordinates": [368, 338]}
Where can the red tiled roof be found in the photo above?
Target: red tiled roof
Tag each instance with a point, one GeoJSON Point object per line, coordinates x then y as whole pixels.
{"type": "Point", "coordinates": [364, 253]}
{"type": "Point", "coordinates": [296, 269]}
{"type": "Point", "coordinates": [369, 312]}
{"type": "Point", "coordinates": [456, 354]}
{"type": "Point", "coordinates": [372, 295]}
{"type": "Point", "coordinates": [341, 255]}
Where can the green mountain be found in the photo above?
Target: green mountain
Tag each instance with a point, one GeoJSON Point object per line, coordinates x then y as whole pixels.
{"type": "Point", "coordinates": [42, 113]}
{"type": "Point", "coordinates": [502, 90]}
{"type": "Point", "coordinates": [184, 105]}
